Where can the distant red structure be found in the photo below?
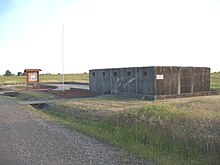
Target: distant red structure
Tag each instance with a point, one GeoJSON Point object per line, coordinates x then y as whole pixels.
{"type": "Point", "coordinates": [33, 77]}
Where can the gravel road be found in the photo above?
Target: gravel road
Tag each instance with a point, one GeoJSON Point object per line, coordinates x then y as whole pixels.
{"type": "Point", "coordinates": [28, 139]}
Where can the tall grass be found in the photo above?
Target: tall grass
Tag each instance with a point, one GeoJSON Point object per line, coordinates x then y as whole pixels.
{"type": "Point", "coordinates": [215, 81]}
{"type": "Point", "coordinates": [179, 131]}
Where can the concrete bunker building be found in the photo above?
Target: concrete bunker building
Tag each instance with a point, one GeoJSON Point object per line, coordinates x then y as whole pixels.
{"type": "Point", "coordinates": [150, 82]}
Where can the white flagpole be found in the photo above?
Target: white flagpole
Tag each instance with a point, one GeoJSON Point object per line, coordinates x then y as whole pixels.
{"type": "Point", "coordinates": [63, 57]}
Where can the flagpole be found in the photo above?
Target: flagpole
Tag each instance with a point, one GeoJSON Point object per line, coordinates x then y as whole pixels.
{"type": "Point", "coordinates": [63, 57]}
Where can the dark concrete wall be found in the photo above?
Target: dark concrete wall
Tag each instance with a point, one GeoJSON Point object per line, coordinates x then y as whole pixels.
{"type": "Point", "coordinates": [186, 83]}
{"type": "Point", "coordinates": [150, 80]}
{"type": "Point", "coordinates": [170, 82]}
{"type": "Point", "coordinates": [179, 80]}
{"type": "Point", "coordinates": [146, 80]}
{"type": "Point", "coordinates": [99, 80]}
{"type": "Point", "coordinates": [127, 82]}
{"type": "Point", "coordinates": [115, 80]}
{"type": "Point", "coordinates": [93, 80]}
{"type": "Point", "coordinates": [201, 79]}
{"type": "Point", "coordinates": [132, 81]}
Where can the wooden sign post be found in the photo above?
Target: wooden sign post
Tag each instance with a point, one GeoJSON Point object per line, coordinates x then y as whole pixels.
{"type": "Point", "coordinates": [32, 76]}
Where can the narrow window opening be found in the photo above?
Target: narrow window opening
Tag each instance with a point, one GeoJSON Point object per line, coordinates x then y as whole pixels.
{"type": "Point", "coordinates": [144, 73]}
{"type": "Point", "coordinates": [128, 73]}
{"type": "Point", "coordinates": [115, 73]}
{"type": "Point", "coordinates": [103, 73]}
{"type": "Point", "coordinates": [93, 73]}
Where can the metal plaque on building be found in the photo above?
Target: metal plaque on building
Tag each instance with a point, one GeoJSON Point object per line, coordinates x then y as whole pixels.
{"type": "Point", "coordinates": [159, 76]}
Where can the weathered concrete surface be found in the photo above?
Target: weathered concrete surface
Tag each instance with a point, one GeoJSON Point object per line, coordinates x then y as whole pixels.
{"type": "Point", "coordinates": [35, 102]}
{"type": "Point", "coordinates": [28, 139]}
{"type": "Point", "coordinates": [123, 80]}
{"type": "Point", "coordinates": [150, 82]}
{"type": "Point", "coordinates": [68, 86]}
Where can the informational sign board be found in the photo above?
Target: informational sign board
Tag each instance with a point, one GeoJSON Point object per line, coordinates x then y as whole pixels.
{"type": "Point", "coordinates": [32, 77]}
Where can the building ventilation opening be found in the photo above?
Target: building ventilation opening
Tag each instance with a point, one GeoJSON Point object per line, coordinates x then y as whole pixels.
{"type": "Point", "coordinates": [128, 73]}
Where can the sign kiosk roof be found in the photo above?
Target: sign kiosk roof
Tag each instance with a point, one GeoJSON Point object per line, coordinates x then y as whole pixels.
{"type": "Point", "coordinates": [32, 70]}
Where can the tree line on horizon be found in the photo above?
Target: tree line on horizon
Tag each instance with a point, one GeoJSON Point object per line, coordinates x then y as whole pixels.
{"type": "Point", "coordinates": [9, 73]}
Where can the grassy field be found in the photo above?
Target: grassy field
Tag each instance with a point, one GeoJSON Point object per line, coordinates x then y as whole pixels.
{"type": "Point", "coordinates": [175, 131]}
{"type": "Point", "coordinates": [215, 79]}
{"type": "Point", "coordinates": [170, 132]}
{"type": "Point", "coordinates": [11, 80]}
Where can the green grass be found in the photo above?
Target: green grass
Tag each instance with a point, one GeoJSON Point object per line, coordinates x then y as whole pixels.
{"type": "Point", "coordinates": [34, 95]}
{"type": "Point", "coordinates": [178, 131]}
{"type": "Point", "coordinates": [215, 81]}
{"type": "Point", "coordinates": [68, 77]}
{"type": "Point", "coordinates": [175, 131]}
{"type": "Point", "coordinates": [11, 80]}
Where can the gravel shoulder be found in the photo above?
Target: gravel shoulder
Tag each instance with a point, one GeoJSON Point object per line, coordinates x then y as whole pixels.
{"type": "Point", "coordinates": [28, 139]}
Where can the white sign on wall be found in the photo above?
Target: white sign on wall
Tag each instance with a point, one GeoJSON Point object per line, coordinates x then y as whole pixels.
{"type": "Point", "coordinates": [159, 76]}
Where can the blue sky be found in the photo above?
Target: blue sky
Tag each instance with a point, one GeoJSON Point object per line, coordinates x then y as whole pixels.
{"type": "Point", "coordinates": [108, 33]}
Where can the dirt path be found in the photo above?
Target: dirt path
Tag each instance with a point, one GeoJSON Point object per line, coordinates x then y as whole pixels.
{"type": "Point", "coordinates": [27, 139]}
